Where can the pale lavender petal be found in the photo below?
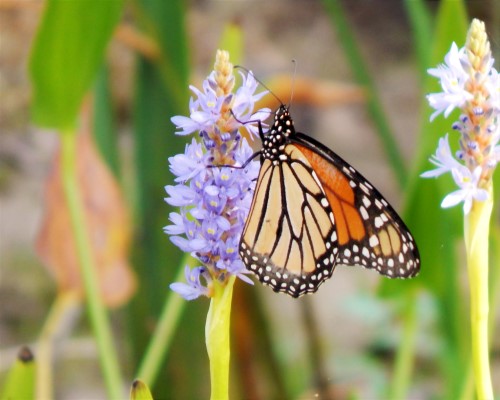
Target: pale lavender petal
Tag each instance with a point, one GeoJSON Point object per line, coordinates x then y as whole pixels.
{"type": "Point", "coordinates": [187, 291]}
{"type": "Point", "coordinates": [181, 243]}
{"type": "Point", "coordinates": [453, 199]}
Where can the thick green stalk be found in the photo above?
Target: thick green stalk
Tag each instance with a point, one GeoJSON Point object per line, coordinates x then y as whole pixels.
{"type": "Point", "coordinates": [217, 338]}
{"type": "Point", "coordinates": [476, 233]}
{"type": "Point", "coordinates": [97, 313]}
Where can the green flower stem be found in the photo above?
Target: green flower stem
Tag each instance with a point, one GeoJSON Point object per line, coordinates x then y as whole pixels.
{"type": "Point", "coordinates": [97, 313]}
{"type": "Point", "coordinates": [217, 338]}
{"type": "Point", "coordinates": [62, 310]}
{"type": "Point", "coordinates": [167, 324]}
{"type": "Point", "coordinates": [405, 355]}
{"type": "Point", "coordinates": [476, 233]}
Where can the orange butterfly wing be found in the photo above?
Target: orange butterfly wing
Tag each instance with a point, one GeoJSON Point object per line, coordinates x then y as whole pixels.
{"type": "Point", "coordinates": [370, 233]}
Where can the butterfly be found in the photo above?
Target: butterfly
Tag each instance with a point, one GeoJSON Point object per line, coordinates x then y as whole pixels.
{"type": "Point", "coordinates": [311, 211]}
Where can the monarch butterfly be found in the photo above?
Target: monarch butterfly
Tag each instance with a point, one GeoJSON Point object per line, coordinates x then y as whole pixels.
{"type": "Point", "coordinates": [311, 210]}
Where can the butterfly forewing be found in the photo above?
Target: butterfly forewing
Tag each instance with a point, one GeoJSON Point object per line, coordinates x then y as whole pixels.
{"type": "Point", "coordinates": [289, 240]}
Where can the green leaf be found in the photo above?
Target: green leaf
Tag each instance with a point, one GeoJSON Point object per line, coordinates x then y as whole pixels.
{"type": "Point", "coordinates": [66, 56]}
{"type": "Point", "coordinates": [20, 382]}
{"type": "Point", "coordinates": [162, 91]}
{"type": "Point", "coordinates": [104, 128]}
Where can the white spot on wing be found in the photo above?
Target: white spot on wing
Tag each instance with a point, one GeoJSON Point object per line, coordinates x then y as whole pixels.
{"type": "Point", "coordinates": [373, 241]}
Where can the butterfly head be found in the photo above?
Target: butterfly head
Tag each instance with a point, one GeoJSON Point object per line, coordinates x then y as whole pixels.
{"type": "Point", "coordinates": [283, 123]}
{"type": "Point", "coordinates": [277, 136]}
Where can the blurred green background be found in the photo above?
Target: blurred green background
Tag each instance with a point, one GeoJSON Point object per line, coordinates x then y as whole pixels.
{"type": "Point", "coordinates": [360, 336]}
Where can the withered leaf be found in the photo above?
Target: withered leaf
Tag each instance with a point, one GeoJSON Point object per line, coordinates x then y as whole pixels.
{"type": "Point", "coordinates": [107, 223]}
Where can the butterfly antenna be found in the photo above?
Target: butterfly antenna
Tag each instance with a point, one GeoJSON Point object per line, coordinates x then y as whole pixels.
{"type": "Point", "coordinates": [294, 61]}
{"type": "Point", "coordinates": [260, 82]}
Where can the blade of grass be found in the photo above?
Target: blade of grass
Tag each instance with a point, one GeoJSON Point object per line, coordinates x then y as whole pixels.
{"type": "Point", "coordinates": [97, 313]}
{"type": "Point", "coordinates": [421, 24]}
{"type": "Point", "coordinates": [156, 101]}
{"type": "Point", "coordinates": [164, 24]}
{"type": "Point", "coordinates": [167, 325]}
{"type": "Point", "coordinates": [154, 256]}
{"type": "Point", "coordinates": [104, 125]}
{"type": "Point", "coordinates": [362, 76]}
{"type": "Point", "coordinates": [435, 230]}
{"type": "Point", "coordinates": [405, 355]}
{"type": "Point", "coordinates": [64, 308]}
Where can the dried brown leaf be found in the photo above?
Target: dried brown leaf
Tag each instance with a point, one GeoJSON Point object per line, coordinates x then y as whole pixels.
{"type": "Point", "coordinates": [107, 223]}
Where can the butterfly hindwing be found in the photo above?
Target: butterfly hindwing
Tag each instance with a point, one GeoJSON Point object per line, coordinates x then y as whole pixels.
{"type": "Point", "coordinates": [370, 233]}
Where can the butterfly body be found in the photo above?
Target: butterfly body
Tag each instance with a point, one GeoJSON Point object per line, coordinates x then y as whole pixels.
{"type": "Point", "coordinates": [311, 210]}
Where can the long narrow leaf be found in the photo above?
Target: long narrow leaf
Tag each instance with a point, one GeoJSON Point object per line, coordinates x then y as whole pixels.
{"type": "Point", "coordinates": [421, 24]}
{"type": "Point", "coordinates": [363, 77]}
{"type": "Point", "coordinates": [436, 230]}
{"type": "Point", "coordinates": [162, 92]}
{"type": "Point", "coordinates": [66, 56]}
{"type": "Point", "coordinates": [104, 127]}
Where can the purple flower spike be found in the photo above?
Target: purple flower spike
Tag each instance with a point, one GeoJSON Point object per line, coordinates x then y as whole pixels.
{"type": "Point", "coordinates": [213, 197]}
{"type": "Point", "coordinates": [470, 83]}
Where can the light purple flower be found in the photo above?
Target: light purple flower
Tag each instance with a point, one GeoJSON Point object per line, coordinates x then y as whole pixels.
{"type": "Point", "coordinates": [453, 77]}
{"type": "Point", "coordinates": [473, 164]}
{"type": "Point", "coordinates": [213, 200]}
{"type": "Point", "coordinates": [189, 164]}
{"type": "Point", "coordinates": [469, 190]}
{"type": "Point", "coordinates": [194, 288]}
{"type": "Point", "coordinates": [244, 104]}
{"type": "Point", "coordinates": [443, 159]}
